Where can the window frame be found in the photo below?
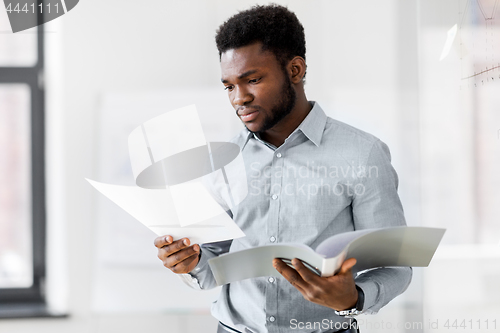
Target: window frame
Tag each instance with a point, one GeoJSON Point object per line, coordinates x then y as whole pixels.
{"type": "Point", "coordinates": [31, 301]}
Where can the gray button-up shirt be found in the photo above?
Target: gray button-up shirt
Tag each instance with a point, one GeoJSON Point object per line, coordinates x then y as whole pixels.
{"type": "Point", "coordinates": [326, 178]}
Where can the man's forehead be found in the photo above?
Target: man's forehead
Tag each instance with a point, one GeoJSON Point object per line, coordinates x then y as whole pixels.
{"type": "Point", "coordinates": [244, 58]}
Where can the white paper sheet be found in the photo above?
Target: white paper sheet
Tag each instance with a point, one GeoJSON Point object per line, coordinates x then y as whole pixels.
{"type": "Point", "coordinates": [177, 174]}
{"type": "Point", "coordinates": [155, 209]}
{"type": "Point", "coordinates": [193, 203]}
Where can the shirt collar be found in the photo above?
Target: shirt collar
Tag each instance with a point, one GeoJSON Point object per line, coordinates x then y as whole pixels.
{"type": "Point", "coordinates": [312, 126]}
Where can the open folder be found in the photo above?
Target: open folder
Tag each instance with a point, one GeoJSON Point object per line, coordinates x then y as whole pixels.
{"type": "Point", "coordinates": [395, 246]}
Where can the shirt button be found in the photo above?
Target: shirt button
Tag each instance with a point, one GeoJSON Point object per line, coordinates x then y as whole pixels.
{"type": "Point", "coordinates": [278, 155]}
{"type": "Point", "coordinates": [271, 279]}
{"type": "Point", "coordinates": [274, 197]}
{"type": "Point", "coordinates": [272, 239]}
{"type": "Point", "coordinates": [272, 319]}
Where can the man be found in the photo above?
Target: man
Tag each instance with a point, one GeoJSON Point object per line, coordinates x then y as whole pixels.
{"type": "Point", "coordinates": [308, 180]}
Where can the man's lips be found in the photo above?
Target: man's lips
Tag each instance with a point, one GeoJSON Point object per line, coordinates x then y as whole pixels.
{"type": "Point", "coordinates": [248, 114]}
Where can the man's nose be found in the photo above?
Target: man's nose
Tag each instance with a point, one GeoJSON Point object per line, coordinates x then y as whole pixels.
{"type": "Point", "coordinates": [242, 97]}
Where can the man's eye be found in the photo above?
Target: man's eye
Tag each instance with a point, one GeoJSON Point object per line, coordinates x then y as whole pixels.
{"type": "Point", "coordinates": [228, 88]}
{"type": "Point", "coordinates": [254, 80]}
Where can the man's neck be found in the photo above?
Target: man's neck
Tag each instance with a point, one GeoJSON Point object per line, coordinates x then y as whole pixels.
{"type": "Point", "coordinates": [278, 134]}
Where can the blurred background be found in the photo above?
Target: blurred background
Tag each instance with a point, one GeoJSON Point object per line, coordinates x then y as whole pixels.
{"type": "Point", "coordinates": [423, 76]}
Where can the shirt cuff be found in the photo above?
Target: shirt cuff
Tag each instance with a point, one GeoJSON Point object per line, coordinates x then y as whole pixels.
{"type": "Point", "coordinates": [190, 281]}
{"type": "Point", "coordinates": [201, 274]}
{"type": "Point", "coordinates": [372, 291]}
{"type": "Point", "coordinates": [360, 304]}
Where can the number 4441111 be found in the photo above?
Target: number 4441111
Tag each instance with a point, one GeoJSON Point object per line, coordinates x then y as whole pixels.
{"type": "Point", "coordinates": [472, 324]}
{"type": "Point", "coordinates": [32, 8]}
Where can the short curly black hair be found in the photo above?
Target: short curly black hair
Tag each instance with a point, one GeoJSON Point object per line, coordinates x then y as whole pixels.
{"type": "Point", "coordinates": [275, 26]}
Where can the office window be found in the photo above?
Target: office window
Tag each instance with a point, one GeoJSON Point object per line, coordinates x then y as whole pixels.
{"type": "Point", "coordinates": [22, 183]}
{"type": "Point", "coordinates": [16, 270]}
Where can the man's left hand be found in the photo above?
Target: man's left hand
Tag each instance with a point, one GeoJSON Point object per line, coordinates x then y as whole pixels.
{"type": "Point", "coordinates": [337, 292]}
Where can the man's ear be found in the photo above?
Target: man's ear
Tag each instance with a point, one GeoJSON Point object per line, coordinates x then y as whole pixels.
{"type": "Point", "coordinates": [297, 69]}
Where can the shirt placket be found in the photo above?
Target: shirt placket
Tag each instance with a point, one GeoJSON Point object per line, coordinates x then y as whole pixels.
{"type": "Point", "coordinates": [273, 235]}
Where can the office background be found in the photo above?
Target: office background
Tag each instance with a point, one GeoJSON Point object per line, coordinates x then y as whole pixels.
{"type": "Point", "coordinates": [110, 65]}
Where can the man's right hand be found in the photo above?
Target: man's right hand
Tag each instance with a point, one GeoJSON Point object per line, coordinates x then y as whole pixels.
{"type": "Point", "coordinates": [177, 255]}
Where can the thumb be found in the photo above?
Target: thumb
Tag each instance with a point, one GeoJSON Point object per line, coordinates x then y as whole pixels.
{"type": "Point", "coordinates": [347, 265]}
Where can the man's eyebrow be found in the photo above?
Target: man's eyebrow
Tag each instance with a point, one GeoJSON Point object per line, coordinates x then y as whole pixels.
{"type": "Point", "coordinates": [247, 73]}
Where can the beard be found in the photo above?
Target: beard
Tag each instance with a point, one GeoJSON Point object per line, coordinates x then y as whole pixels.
{"type": "Point", "coordinates": [283, 108]}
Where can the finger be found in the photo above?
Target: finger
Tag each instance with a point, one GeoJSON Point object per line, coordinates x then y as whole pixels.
{"type": "Point", "coordinates": [169, 250]}
{"type": "Point", "coordinates": [186, 265]}
{"type": "Point", "coordinates": [180, 256]}
{"type": "Point", "coordinates": [305, 272]}
{"type": "Point", "coordinates": [289, 274]}
{"type": "Point", "coordinates": [176, 246]}
{"type": "Point", "coordinates": [347, 265]}
{"type": "Point", "coordinates": [181, 260]}
{"type": "Point", "coordinates": [163, 240]}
